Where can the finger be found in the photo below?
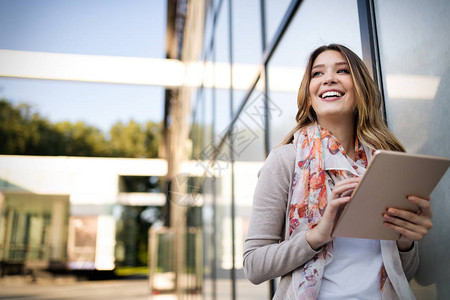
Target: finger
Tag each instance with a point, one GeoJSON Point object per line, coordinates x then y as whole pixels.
{"type": "Point", "coordinates": [326, 223]}
{"type": "Point", "coordinates": [408, 230]}
{"type": "Point", "coordinates": [334, 206]}
{"type": "Point", "coordinates": [348, 180]}
{"type": "Point", "coordinates": [338, 202]}
{"type": "Point", "coordinates": [342, 188]}
{"type": "Point", "coordinates": [347, 193]}
{"type": "Point", "coordinates": [420, 198]}
{"type": "Point", "coordinates": [419, 227]}
{"type": "Point", "coordinates": [424, 204]}
{"type": "Point", "coordinates": [353, 180]}
{"type": "Point", "coordinates": [411, 235]}
{"type": "Point", "coordinates": [403, 216]}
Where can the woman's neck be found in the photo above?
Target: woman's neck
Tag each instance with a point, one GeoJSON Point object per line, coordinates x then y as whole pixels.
{"type": "Point", "coordinates": [344, 131]}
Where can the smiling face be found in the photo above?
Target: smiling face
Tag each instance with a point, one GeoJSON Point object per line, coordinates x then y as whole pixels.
{"type": "Point", "coordinates": [331, 89]}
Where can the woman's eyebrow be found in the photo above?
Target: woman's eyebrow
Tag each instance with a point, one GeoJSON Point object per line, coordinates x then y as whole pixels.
{"type": "Point", "coordinates": [322, 65]}
{"type": "Point", "coordinates": [317, 66]}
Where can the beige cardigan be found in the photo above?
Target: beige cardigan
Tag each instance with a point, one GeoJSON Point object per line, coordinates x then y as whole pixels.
{"type": "Point", "coordinates": [268, 251]}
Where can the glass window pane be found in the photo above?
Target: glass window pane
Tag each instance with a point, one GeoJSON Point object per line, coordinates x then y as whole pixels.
{"type": "Point", "coordinates": [222, 114]}
{"type": "Point", "coordinates": [209, 239]}
{"type": "Point", "coordinates": [221, 67]}
{"type": "Point", "coordinates": [275, 11]}
{"type": "Point", "coordinates": [247, 48]}
{"type": "Point", "coordinates": [284, 107]}
{"type": "Point", "coordinates": [246, 21]}
{"type": "Point", "coordinates": [197, 134]}
{"type": "Point", "coordinates": [415, 63]}
{"type": "Point", "coordinates": [208, 116]}
{"type": "Point", "coordinates": [248, 142]}
{"type": "Point", "coordinates": [223, 221]}
{"type": "Point", "coordinates": [221, 42]}
{"type": "Point", "coordinates": [119, 28]}
{"type": "Point", "coordinates": [97, 104]}
{"type": "Point", "coordinates": [208, 29]}
{"type": "Point", "coordinates": [248, 131]}
{"type": "Point", "coordinates": [307, 32]}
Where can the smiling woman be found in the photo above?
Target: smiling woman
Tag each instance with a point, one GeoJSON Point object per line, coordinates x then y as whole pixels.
{"type": "Point", "coordinates": [305, 182]}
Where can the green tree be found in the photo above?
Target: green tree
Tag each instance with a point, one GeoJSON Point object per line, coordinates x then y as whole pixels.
{"type": "Point", "coordinates": [80, 139]}
{"type": "Point", "coordinates": [23, 131]}
{"type": "Point", "coordinates": [153, 132]}
{"type": "Point", "coordinates": [127, 140]}
{"type": "Point", "coordinates": [12, 129]}
{"type": "Point", "coordinates": [42, 137]}
{"type": "Point", "coordinates": [135, 140]}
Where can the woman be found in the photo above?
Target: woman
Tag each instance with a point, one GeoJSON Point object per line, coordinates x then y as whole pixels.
{"type": "Point", "coordinates": [305, 181]}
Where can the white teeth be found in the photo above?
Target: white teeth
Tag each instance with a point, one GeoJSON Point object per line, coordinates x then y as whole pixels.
{"type": "Point", "coordinates": [331, 94]}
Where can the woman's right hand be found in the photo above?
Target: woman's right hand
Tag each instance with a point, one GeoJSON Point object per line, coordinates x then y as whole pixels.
{"type": "Point", "coordinates": [321, 234]}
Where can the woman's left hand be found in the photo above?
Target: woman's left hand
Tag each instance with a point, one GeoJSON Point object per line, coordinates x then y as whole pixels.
{"type": "Point", "coordinates": [412, 226]}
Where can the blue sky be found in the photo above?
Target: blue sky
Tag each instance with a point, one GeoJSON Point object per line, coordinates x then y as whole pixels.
{"type": "Point", "coordinates": [96, 27]}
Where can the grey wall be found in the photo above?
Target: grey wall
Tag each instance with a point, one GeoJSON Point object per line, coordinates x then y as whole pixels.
{"type": "Point", "coordinates": [415, 58]}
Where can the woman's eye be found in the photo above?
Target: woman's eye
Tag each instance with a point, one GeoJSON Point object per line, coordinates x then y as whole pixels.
{"type": "Point", "coordinates": [345, 71]}
{"type": "Point", "coordinates": [316, 74]}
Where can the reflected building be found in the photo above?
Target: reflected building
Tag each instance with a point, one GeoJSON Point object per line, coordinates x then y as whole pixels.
{"type": "Point", "coordinates": [77, 213]}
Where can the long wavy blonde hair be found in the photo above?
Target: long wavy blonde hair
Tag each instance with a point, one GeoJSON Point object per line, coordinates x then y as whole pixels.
{"type": "Point", "coordinates": [370, 126]}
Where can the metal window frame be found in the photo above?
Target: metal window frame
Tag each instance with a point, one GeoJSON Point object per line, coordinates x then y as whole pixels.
{"type": "Point", "coordinates": [370, 45]}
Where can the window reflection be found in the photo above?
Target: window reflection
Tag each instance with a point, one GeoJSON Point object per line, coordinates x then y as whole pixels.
{"type": "Point", "coordinates": [275, 11]}
{"type": "Point", "coordinates": [415, 60]}
{"type": "Point", "coordinates": [305, 33]}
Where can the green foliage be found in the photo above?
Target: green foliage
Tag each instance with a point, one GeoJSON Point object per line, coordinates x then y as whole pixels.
{"type": "Point", "coordinates": [80, 139]}
{"type": "Point", "coordinates": [23, 131]}
{"type": "Point", "coordinates": [133, 138]}
{"type": "Point", "coordinates": [202, 139]}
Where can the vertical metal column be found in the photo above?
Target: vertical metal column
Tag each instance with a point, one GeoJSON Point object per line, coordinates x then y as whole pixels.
{"type": "Point", "coordinates": [233, 215]}
{"type": "Point", "coordinates": [266, 80]}
{"type": "Point", "coordinates": [369, 44]}
{"type": "Point", "coordinates": [214, 182]}
{"type": "Point", "coordinates": [272, 282]}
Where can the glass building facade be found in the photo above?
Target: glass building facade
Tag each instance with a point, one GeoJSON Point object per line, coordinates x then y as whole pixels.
{"type": "Point", "coordinates": [229, 102]}
{"type": "Point", "coordinates": [252, 55]}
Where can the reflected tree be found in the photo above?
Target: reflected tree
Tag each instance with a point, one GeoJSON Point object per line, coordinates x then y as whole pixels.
{"type": "Point", "coordinates": [25, 132]}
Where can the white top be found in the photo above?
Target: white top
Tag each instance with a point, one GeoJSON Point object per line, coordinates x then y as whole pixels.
{"type": "Point", "coordinates": [354, 272]}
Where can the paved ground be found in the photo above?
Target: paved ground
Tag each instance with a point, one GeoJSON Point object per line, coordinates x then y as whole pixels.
{"type": "Point", "coordinates": [68, 288]}
{"type": "Point", "coordinates": [136, 289]}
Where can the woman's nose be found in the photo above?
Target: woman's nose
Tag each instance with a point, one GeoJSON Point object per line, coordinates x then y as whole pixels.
{"type": "Point", "coordinates": [329, 78]}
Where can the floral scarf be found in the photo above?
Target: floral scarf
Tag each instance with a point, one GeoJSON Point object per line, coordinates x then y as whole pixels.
{"type": "Point", "coordinates": [320, 161]}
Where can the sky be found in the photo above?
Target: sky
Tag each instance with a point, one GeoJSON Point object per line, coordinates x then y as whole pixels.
{"type": "Point", "coordinates": [134, 28]}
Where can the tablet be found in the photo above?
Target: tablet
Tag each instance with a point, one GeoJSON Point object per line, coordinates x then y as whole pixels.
{"type": "Point", "coordinates": [390, 177]}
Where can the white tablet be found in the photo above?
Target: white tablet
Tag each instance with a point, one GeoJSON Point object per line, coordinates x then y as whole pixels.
{"type": "Point", "coordinates": [390, 177]}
